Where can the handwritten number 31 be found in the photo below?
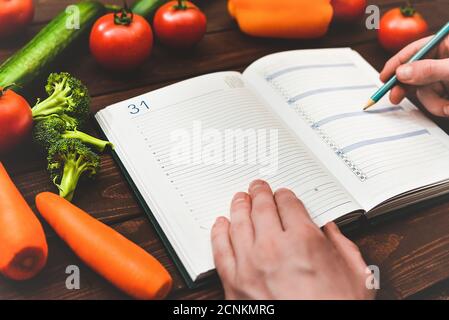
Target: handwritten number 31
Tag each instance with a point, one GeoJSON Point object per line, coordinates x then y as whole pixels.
{"type": "Point", "coordinates": [135, 109]}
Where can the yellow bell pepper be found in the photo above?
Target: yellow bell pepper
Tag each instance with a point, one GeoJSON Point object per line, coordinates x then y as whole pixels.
{"type": "Point", "coordinates": [293, 19]}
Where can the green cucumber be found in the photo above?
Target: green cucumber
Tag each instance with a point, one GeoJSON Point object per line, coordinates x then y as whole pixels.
{"type": "Point", "coordinates": [147, 8]}
{"type": "Point", "coordinates": [35, 58]}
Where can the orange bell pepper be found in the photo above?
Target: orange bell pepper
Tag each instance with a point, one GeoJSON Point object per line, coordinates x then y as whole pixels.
{"type": "Point", "coordinates": [294, 19]}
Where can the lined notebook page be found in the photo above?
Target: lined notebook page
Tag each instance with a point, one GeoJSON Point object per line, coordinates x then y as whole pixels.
{"type": "Point", "coordinates": [146, 139]}
{"type": "Point", "coordinates": [326, 89]}
{"type": "Point", "coordinates": [207, 188]}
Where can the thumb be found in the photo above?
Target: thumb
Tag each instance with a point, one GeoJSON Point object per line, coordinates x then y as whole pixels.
{"type": "Point", "coordinates": [424, 72]}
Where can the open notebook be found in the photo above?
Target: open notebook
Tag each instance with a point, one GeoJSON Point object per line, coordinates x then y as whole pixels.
{"type": "Point", "coordinates": [343, 163]}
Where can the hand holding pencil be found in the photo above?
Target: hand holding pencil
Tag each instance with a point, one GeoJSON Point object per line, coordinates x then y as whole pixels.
{"type": "Point", "coordinates": [429, 77]}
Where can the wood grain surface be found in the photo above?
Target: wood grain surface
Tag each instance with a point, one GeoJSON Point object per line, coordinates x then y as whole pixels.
{"type": "Point", "coordinates": [411, 249]}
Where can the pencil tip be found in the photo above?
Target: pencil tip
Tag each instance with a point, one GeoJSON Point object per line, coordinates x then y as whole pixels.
{"type": "Point", "coordinates": [369, 104]}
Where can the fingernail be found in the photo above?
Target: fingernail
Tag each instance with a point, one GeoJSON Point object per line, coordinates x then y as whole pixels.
{"type": "Point", "coordinates": [256, 184]}
{"type": "Point", "coordinates": [220, 220]}
{"type": "Point", "coordinates": [405, 72]}
{"type": "Point", "coordinates": [446, 111]}
{"type": "Point", "coordinates": [240, 196]}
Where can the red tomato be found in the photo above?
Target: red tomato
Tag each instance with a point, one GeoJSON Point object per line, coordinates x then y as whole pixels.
{"type": "Point", "coordinates": [348, 10]}
{"type": "Point", "coordinates": [179, 24]}
{"type": "Point", "coordinates": [121, 41]}
{"type": "Point", "coordinates": [401, 26]}
{"type": "Point", "coordinates": [16, 120]}
{"type": "Point", "coordinates": [14, 16]}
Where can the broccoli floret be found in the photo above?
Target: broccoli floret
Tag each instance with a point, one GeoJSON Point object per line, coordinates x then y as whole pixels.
{"type": "Point", "coordinates": [68, 97]}
{"type": "Point", "coordinates": [47, 132]}
{"type": "Point", "coordinates": [68, 161]}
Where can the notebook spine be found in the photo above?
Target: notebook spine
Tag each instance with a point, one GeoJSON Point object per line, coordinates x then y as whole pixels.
{"type": "Point", "coordinates": [321, 133]}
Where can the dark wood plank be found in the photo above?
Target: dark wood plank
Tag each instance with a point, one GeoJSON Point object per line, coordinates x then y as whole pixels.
{"type": "Point", "coordinates": [410, 264]}
{"type": "Point", "coordinates": [48, 9]}
{"type": "Point", "coordinates": [226, 50]}
{"type": "Point", "coordinates": [407, 262]}
{"type": "Point", "coordinates": [439, 291]}
{"type": "Point", "coordinates": [50, 284]}
{"type": "Point", "coordinates": [45, 10]}
{"type": "Point", "coordinates": [110, 200]}
{"type": "Point", "coordinates": [108, 197]}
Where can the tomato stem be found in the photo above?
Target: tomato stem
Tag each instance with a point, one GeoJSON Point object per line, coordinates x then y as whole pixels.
{"type": "Point", "coordinates": [181, 5]}
{"type": "Point", "coordinates": [124, 16]}
{"type": "Point", "coordinates": [6, 88]}
{"type": "Point", "coordinates": [408, 10]}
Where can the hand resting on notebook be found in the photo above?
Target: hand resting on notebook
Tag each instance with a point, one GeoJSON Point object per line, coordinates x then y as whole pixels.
{"type": "Point", "coordinates": [428, 77]}
{"type": "Point", "coordinates": [271, 249]}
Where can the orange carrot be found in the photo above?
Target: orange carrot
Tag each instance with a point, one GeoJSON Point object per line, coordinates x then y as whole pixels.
{"type": "Point", "coordinates": [23, 247]}
{"type": "Point", "coordinates": [120, 261]}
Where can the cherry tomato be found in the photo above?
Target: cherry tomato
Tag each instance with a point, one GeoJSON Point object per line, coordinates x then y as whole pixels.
{"type": "Point", "coordinates": [179, 24]}
{"type": "Point", "coordinates": [16, 119]}
{"type": "Point", "coordinates": [348, 10]}
{"type": "Point", "coordinates": [14, 16]}
{"type": "Point", "coordinates": [121, 41]}
{"type": "Point", "coordinates": [401, 26]}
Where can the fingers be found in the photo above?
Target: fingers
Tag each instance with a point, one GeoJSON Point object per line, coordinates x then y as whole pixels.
{"type": "Point", "coordinates": [291, 210]}
{"type": "Point", "coordinates": [397, 94]}
{"type": "Point", "coordinates": [423, 72]}
{"type": "Point", "coordinates": [433, 102]}
{"type": "Point", "coordinates": [400, 58]}
{"type": "Point", "coordinates": [347, 249]}
{"type": "Point", "coordinates": [264, 212]}
{"type": "Point", "coordinates": [222, 249]}
{"type": "Point", "coordinates": [241, 230]}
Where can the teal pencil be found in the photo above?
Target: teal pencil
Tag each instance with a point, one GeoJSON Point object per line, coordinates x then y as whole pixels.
{"type": "Point", "coordinates": [440, 35]}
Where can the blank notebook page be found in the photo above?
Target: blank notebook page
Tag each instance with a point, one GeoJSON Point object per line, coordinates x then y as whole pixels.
{"type": "Point", "coordinates": [207, 189]}
{"type": "Point", "coordinates": [204, 191]}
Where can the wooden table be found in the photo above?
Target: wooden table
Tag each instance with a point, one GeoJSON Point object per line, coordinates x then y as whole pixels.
{"type": "Point", "coordinates": [412, 250]}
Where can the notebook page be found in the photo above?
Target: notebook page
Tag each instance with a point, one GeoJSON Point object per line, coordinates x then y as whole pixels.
{"type": "Point", "coordinates": [376, 154]}
{"type": "Point", "coordinates": [154, 132]}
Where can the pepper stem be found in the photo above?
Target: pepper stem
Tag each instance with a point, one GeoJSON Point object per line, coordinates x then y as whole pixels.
{"type": "Point", "coordinates": [124, 16]}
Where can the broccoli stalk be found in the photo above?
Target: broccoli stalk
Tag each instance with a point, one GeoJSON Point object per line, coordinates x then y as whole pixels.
{"type": "Point", "coordinates": [68, 98]}
{"type": "Point", "coordinates": [96, 143]}
{"type": "Point", "coordinates": [47, 132]}
{"type": "Point", "coordinates": [68, 161]}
